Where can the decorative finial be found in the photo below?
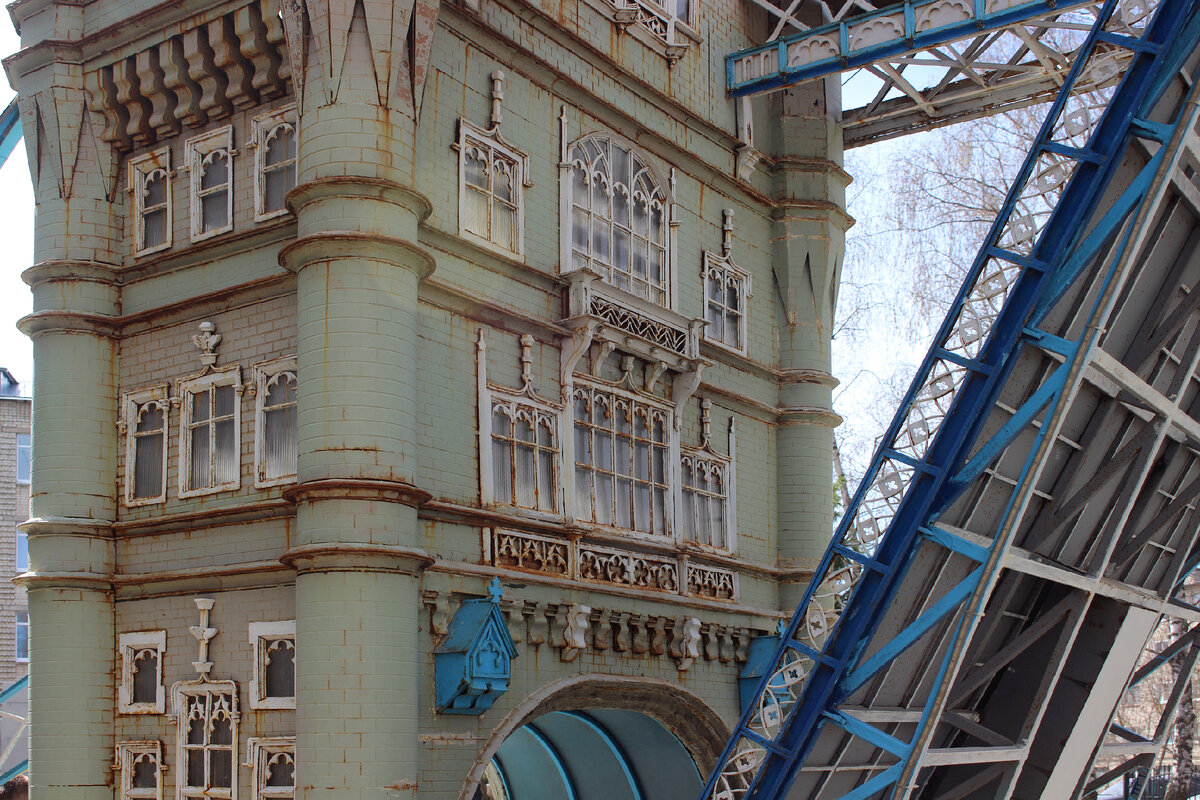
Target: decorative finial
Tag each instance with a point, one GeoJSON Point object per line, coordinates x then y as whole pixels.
{"type": "Point", "coordinates": [495, 590]}
{"type": "Point", "coordinates": [705, 422]}
{"type": "Point", "coordinates": [497, 96]}
{"type": "Point", "coordinates": [562, 134]}
{"type": "Point", "coordinates": [726, 232]}
{"type": "Point", "coordinates": [203, 634]}
{"type": "Point", "coordinates": [781, 628]}
{"type": "Point", "coordinates": [526, 361]}
{"type": "Point", "coordinates": [207, 340]}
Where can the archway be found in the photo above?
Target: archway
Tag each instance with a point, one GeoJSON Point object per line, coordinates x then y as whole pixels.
{"type": "Point", "coordinates": [597, 754]}
{"type": "Point", "coordinates": [600, 738]}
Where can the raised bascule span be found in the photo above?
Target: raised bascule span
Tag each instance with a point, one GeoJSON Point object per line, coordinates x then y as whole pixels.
{"type": "Point", "coordinates": [989, 595]}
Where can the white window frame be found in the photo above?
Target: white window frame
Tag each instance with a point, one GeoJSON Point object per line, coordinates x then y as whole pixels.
{"type": "Point", "coordinates": [727, 270]}
{"type": "Point", "coordinates": [212, 689]}
{"type": "Point", "coordinates": [661, 191]}
{"type": "Point", "coordinates": [132, 404]}
{"type": "Point", "coordinates": [139, 169]}
{"type": "Point", "coordinates": [262, 750]}
{"type": "Point", "coordinates": [130, 645]}
{"type": "Point", "coordinates": [17, 625]}
{"type": "Point", "coordinates": [199, 148]}
{"type": "Point", "coordinates": [22, 537]}
{"type": "Point", "coordinates": [264, 373]}
{"type": "Point", "coordinates": [25, 443]}
{"type": "Point", "coordinates": [670, 467]}
{"type": "Point", "coordinates": [473, 136]}
{"type": "Point", "coordinates": [706, 459]}
{"type": "Point", "coordinates": [128, 755]}
{"type": "Point", "coordinates": [262, 635]}
{"type": "Point", "coordinates": [262, 128]}
{"type": "Point", "coordinates": [228, 376]}
{"type": "Point", "coordinates": [517, 404]}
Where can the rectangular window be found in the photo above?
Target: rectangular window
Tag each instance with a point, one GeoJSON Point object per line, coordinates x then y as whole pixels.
{"type": "Point", "coordinates": [524, 455]}
{"type": "Point", "coordinates": [209, 441]}
{"type": "Point", "coordinates": [275, 423]}
{"type": "Point", "coordinates": [621, 457]}
{"type": "Point", "coordinates": [150, 183]}
{"type": "Point", "coordinates": [274, 684]}
{"type": "Point", "coordinates": [726, 289]}
{"type": "Point", "coordinates": [210, 167]}
{"type": "Point", "coordinates": [274, 161]}
{"type": "Point", "coordinates": [206, 740]}
{"type": "Point", "coordinates": [22, 552]}
{"type": "Point", "coordinates": [491, 182]}
{"type": "Point", "coordinates": [273, 764]}
{"type": "Point", "coordinates": [140, 690]}
{"type": "Point", "coordinates": [145, 423]}
{"type": "Point", "coordinates": [705, 492]}
{"type": "Point", "coordinates": [24, 458]}
{"type": "Point", "coordinates": [22, 636]}
{"type": "Point", "coordinates": [140, 764]}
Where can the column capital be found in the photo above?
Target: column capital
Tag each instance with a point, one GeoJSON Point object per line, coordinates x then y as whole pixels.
{"type": "Point", "coordinates": [356, 557]}
{"type": "Point", "coordinates": [358, 489]}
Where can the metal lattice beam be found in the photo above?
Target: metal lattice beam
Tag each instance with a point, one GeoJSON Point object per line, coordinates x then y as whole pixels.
{"type": "Point", "coordinates": [1034, 507]}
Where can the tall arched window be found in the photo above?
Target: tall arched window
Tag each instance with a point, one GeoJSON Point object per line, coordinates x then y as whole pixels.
{"type": "Point", "coordinates": [620, 217]}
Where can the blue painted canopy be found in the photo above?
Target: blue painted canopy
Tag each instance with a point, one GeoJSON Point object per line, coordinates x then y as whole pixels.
{"type": "Point", "coordinates": [472, 667]}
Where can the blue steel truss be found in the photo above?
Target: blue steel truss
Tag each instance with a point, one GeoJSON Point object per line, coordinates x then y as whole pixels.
{"type": "Point", "coordinates": [848, 44]}
{"type": "Point", "coordinates": [1036, 249]}
{"type": "Point", "coordinates": [17, 686]}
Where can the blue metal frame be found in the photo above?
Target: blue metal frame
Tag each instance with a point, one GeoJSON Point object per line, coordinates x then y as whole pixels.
{"type": "Point", "coordinates": [20, 683]}
{"type": "Point", "coordinates": [1059, 256]}
{"type": "Point", "coordinates": [10, 134]}
{"type": "Point", "coordinates": [848, 58]}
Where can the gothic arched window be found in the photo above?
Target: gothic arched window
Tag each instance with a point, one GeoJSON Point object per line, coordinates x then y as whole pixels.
{"type": "Point", "coordinates": [619, 218]}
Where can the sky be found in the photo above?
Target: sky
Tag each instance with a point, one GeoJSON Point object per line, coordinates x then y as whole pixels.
{"type": "Point", "coordinates": [16, 233]}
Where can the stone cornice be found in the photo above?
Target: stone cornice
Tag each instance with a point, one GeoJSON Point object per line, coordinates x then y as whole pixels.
{"type": "Point", "coordinates": [91, 581]}
{"type": "Point", "coordinates": [787, 208]}
{"type": "Point", "coordinates": [67, 526]}
{"type": "Point", "coordinates": [356, 187]}
{"type": "Point", "coordinates": [813, 376]}
{"type": "Point", "coordinates": [809, 415]}
{"type": "Point", "coordinates": [208, 518]}
{"type": "Point", "coordinates": [343, 245]}
{"type": "Point", "coordinates": [357, 489]}
{"type": "Point", "coordinates": [356, 557]}
{"type": "Point", "coordinates": [818, 166]}
{"type": "Point", "coordinates": [72, 270]}
{"type": "Point", "coordinates": [40, 322]}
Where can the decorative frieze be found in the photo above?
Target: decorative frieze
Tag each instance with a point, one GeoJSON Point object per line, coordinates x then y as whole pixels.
{"type": "Point", "coordinates": [553, 556]}
{"type": "Point", "coordinates": [573, 629]}
{"type": "Point", "coordinates": [629, 321]}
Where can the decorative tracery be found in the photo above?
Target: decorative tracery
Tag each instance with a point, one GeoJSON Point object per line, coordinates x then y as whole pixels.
{"type": "Point", "coordinates": [619, 218]}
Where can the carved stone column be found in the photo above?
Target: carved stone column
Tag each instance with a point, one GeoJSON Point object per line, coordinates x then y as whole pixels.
{"type": "Point", "coordinates": [358, 265]}
{"type": "Point", "coordinates": [809, 245]}
{"type": "Point", "coordinates": [72, 502]}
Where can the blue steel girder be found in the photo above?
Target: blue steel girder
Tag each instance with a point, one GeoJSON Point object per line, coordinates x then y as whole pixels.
{"type": "Point", "coordinates": [1037, 251]}
{"type": "Point", "coordinates": [920, 64]}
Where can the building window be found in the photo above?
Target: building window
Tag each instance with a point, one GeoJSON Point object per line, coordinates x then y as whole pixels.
{"type": "Point", "coordinates": [274, 161]}
{"type": "Point", "coordinates": [211, 178]}
{"type": "Point", "coordinates": [140, 690]}
{"type": "Point", "coordinates": [145, 424]}
{"type": "Point", "coordinates": [22, 636]}
{"type": "Point", "coordinates": [621, 458]}
{"type": "Point", "coordinates": [150, 183]}
{"type": "Point", "coordinates": [209, 445]}
{"type": "Point", "coordinates": [273, 764]}
{"type": "Point", "coordinates": [491, 182]}
{"type": "Point", "coordinates": [704, 489]}
{"type": "Point", "coordinates": [22, 552]}
{"type": "Point", "coordinates": [726, 288]}
{"type": "Point", "coordinates": [524, 455]}
{"type": "Point", "coordinates": [274, 684]}
{"type": "Point", "coordinates": [24, 457]}
{"type": "Point", "coordinates": [275, 428]}
{"type": "Point", "coordinates": [619, 218]}
{"type": "Point", "coordinates": [140, 765]}
{"type": "Point", "coordinates": [207, 740]}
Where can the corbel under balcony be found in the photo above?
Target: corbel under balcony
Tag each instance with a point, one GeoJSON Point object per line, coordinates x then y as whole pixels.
{"type": "Point", "coordinates": [598, 313]}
